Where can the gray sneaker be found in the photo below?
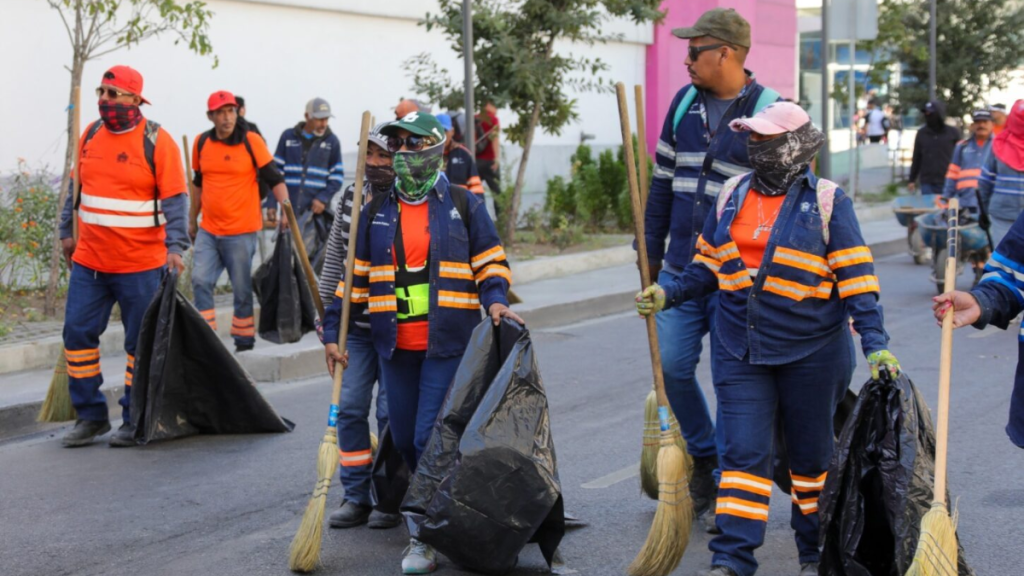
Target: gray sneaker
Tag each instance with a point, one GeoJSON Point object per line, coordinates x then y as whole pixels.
{"type": "Point", "coordinates": [718, 571]}
{"type": "Point", "coordinates": [419, 558]}
{"type": "Point", "coordinates": [809, 569]}
{"type": "Point", "coordinates": [84, 432]}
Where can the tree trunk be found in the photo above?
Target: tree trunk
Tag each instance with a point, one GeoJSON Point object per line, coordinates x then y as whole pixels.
{"type": "Point", "coordinates": [512, 210]}
{"type": "Point", "coordinates": [56, 252]}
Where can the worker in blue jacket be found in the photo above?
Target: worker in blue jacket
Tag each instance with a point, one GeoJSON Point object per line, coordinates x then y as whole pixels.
{"type": "Point", "coordinates": [785, 253]}
{"type": "Point", "coordinates": [428, 257]}
{"type": "Point", "coordinates": [696, 153]}
{"type": "Point", "coordinates": [997, 300]}
{"type": "Point", "coordinates": [968, 157]}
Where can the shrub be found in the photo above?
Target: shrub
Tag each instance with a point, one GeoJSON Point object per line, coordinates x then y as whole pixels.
{"type": "Point", "coordinates": [28, 224]}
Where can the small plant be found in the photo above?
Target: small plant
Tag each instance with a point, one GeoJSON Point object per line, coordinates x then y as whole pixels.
{"type": "Point", "coordinates": [28, 223]}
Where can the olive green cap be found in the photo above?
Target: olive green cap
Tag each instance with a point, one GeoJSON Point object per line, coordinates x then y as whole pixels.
{"type": "Point", "coordinates": [726, 24]}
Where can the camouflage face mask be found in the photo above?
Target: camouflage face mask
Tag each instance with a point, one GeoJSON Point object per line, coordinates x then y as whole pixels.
{"type": "Point", "coordinates": [418, 171]}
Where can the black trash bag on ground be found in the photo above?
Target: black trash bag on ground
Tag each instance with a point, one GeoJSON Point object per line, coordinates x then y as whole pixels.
{"type": "Point", "coordinates": [186, 382]}
{"type": "Point", "coordinates": [390, 479]}
{"type": "Point", "coordinates": [780, 474]}
{"type": "Point", "coordinates": [487, 483]}
{"type": "Point", "coordinates": [286, 306]}
{"type": "Point", "coordinates": [879, 484]}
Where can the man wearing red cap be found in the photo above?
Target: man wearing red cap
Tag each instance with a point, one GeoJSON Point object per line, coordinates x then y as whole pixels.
{"type": "Point", "coordinates": [229, 161]}
{"type": "Point", "coordinates": [132, 224]}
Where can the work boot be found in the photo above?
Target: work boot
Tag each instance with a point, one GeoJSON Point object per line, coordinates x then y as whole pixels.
{"type": "Point", "coordinates": [707, 520]}
{"type": "Point", "coordinates": [350, 514]}
{"type": "Point", "coordinates": [124, 437]}
{"type": "Point", "coordinates": [718, 571]}
{"type": "Point", "coordinates": [383, 521]}
{"type": "Point", "coordinates": [243, 347]}
{"type": "Point", "coordinates": [420, 558]}
{"type": "Point", "coordinates": [703, 489]}
{"type": "Point", "coordinates": [809, 569]}
{"type": "Point", "coordinates": [84, 432]}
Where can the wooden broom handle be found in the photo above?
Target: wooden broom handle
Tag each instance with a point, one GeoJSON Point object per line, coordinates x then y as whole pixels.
{"type": "Point", "coordinates": [641, 145]}
{"type": "Point", "coordinates": [350, 258]}
{"type": "Point", "coordinates": [193, 206]}
{"type": "Point", "coordinates": [946, 360]}
{"type": "Point", "coordinates": [76, 129]}
{"type": "Point", "coordinates": [641, 244]}
{"type": "Point", "coordinates": [300, 247]}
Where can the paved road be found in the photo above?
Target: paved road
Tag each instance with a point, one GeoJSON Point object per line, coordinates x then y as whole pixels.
{"type": "Point", "coordinates": [230, 505]}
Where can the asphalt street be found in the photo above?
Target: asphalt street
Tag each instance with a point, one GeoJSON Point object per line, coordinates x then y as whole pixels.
{"type": "Point", "coordinates": [229, 505]}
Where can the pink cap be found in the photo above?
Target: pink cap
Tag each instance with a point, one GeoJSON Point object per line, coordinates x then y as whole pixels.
{"type": "Point", "coordinates": [776, 118]}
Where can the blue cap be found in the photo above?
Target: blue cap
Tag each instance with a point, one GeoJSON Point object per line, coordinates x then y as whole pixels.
{"type": "Point", "coordinates": [445, 120]}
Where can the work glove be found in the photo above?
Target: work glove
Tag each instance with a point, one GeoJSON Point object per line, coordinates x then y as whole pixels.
{"type": "Point", "coordinates": [883, 359]}
{"type": "Point", "coordinates": [651, 300]}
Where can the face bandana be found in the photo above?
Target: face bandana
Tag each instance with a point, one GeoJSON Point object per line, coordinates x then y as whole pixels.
{"type": "Point", "coordinates": [418, 171]}
{"type": "Point", "coordinates": [380, 177]}
{"type": "Point", "coordinates": [778, 162]}
{"type": "Point", "coordinates": [120, 117]}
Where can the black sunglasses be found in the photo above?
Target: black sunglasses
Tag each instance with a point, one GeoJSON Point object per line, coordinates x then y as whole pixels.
{"type": "Point", "coordinates": [695, 51]}
{"type": "Point", "coordinates": [111, 93]}
{"type": "Point", "coordinates": [412, 142]}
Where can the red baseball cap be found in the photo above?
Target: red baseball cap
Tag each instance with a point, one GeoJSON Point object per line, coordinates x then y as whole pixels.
{"type": "Point", "coordinates": [220, 99]}
{"type": "Point", "coordinates": [126, 78]}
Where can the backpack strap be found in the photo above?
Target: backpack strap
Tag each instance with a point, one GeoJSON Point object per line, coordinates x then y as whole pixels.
{"type": "Point", "coordinates": [723, 196]}
{"type": "Point", "coordinates": [683, 108]}
{"type": "Point", "coordinates": [93, 129]}
{"type": "Point", "coordinates": [767, 97]}
{"type": "Point", "coordinates": [826, 193]}
{"type": "Point", "coordinates": [149, 137]}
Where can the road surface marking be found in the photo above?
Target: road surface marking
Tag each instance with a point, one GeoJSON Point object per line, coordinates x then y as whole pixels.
{"type": "Point", "coordinates": [614, 478]}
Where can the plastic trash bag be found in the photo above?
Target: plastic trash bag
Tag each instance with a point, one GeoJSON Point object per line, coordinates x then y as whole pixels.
{"type": "Point", "coordinates": [187, 382]}
{"type": "Point", "coordinates": [390, 478]}
{"type": "Point", "coordinates": [487, 483]}
{"type": "Point", "coordinates": [879, 484]}
{"type": "Point", "coordinates": [286, 306]}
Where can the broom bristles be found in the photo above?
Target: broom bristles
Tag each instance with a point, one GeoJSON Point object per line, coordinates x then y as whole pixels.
{"type": "Point", "coordinates": [937, 550]}
{"type": "Point", "coordinates": [652, 440]}
{"type": "Point", "coordinates": [57, 405]}
{"type": "Point", "coordinates": [670, 531]}
{"type": "Point", "coordinates": [304, 555]}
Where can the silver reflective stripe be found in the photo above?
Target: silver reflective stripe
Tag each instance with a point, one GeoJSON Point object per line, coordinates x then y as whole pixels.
{"type": "Point", "coordinates": [118, 221]}
{"type": "Point", "coordinates": [660, 172]}
{"type": "Point", "coordinates": [712, 188]}
{"type": "Point", "coordinates": [665, 149]}
{"type": "Point", "coordinates": [119, 205]}
{"type": "Point", "coordinates": [690, 159]}
{"type": "Point", "coordinates": [728, 169]}
{"type": "Point", "coordinates": [684, 185]}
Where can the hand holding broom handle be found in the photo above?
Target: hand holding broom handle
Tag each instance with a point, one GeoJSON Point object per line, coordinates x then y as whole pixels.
{"type": "Point", "coordinates": [946, 358]}
{"type": "Point", "coordinates": [304, 554]}
{"type": "Point", "coordinates": [300, 247]}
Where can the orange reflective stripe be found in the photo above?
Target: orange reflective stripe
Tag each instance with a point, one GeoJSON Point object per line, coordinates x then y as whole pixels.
{"type": "Point", "coordinates": [82, 355]}
{"type": "Point", "coordinates": [87, 371]}
{"type": "Point", "coordinates": [746, 482]}
{"type": "Point", "coordinates": [807, 505]}
{"type": "Point", "coordinates": [382, 273]}
{"type": "Point", "coordinates": [953, 172]}
{"type": "Point", "coordinates": [711, 263]}
{"type": "Point", "coordinates": [970, 173]}
{"type": "Point", "coordinates": [807, 483]}
{"type": "Point", "coordinates": [456, 270]}
{"type": "Point", "coordinates": [387, 303]}
{"type": "Point", "coordinates": [475, 185]}
{"type": "Point", "coordinates": [802, 261]}
{"type": "Point", "coordinates": [241, 322]}
{"type": "Point", "coordinates": [360, 458]}
{"type": "Point", "coordinates": [704, 247]}
{"type": "Point", "coordinates": [742, 508]}
{"type": "Point", "coordinates": [727, 251]}
{"type": "Point", "coordinates": [736, 281]}
{"type": "Point", "coordinates": [340, 290]}
{"type": "Point", "coordinates": [849, 257]}
{"type": "Point", "coordinates": [210, 316]}
{"type": "Point", "coordinates": [965, 184]}
{"type": "Point", "coordinates": [362, 267]}
{"type": "Point", "coordinates": [496, 253]}
{"type": "Point", "coordinates": [859, 285]}
{"type": "Point", "coordinates": [463, 300]}
{"type": "Point", "coordinates": [128, 377]}
{"type": "Point", "coordinates": [795, 290]}
{"type": "Point", "coordinates": [494, 270]}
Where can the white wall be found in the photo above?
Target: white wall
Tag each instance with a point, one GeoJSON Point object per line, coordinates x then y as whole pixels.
{"type": "Point", "coordinates": [278, 54]}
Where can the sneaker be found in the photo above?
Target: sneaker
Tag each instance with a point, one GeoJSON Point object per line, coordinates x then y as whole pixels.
{"type": "Point", "coordinates": [708, 521]}
{"type": "Point", "coordinates": [243, 347]}
{"type": "Point", "coordinates": [84, 432]}
{"type": "Point", "coordinates": [419, 558]}
{"type": "Point", "coordinates": [124, 437]}
{"type": "Point", "coordinates": [809, 569]}
{"type": "Point", "coordinates": [718, 571]}
{"type": "Point", "coordinates": [383, 521]}
{"type": "Point", "coordinates": [703, 489]}
{"type": "Point", "coordinates": [349, 515]}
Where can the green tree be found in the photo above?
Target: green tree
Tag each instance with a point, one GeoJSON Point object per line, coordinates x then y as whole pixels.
{"type": "Point", "coordinates": [96, 28]}
{"type": "Point", "coordinates": [979, 42]}
{"type": "Point", "coordinates": [518, 68]}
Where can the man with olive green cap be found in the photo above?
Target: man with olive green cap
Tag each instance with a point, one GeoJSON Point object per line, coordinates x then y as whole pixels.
{"type": "Point", "coordinates": [696, 153]}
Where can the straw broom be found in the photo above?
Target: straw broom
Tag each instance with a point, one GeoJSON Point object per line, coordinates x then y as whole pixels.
{"type": "Point", "coordinates": [670, 532]}
{"type": "Point", "coordinates": [937, 548]}
{"type": "Point", "coordinates": [304, 554]}
{"type": "Point", "coordinates": [57, 405]}
{"type": "Point", "coordinates": [652, 429]}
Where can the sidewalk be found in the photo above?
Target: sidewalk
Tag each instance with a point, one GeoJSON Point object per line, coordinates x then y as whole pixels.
{"type": "Point", "coordinates": [555, 291]}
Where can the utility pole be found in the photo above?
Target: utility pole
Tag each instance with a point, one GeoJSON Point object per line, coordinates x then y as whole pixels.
{"type": "Point", "coordinates": [931, 52]}
{"type": "Point", "coordinates": [854, 156]}
{"type": "Point", "coordinates": [825, 157]}
{"type": "Point", "coordinates": [469, 130]}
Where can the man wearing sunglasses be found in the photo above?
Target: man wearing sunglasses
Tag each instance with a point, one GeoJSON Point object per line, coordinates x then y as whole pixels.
{"type": "Point", "coordinates": [696, 154]}
{"type": "Point", "coordinates": [132, 212]}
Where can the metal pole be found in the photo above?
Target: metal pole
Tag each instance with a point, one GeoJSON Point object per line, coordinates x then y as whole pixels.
{"type": "Point", "coordinates": [825, 158]}
{"type": "Point", "coordinates": [931, 52]}
{"type": "Point", "coordinates": [469, 130]}
{"type": "Point", "coordinates": [852, 83]}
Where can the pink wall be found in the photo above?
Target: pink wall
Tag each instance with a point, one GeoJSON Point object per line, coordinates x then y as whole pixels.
{"type": "Point", "coordinates": [772, 54]}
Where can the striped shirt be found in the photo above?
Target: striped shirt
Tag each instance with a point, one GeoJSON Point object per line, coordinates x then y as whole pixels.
{"type": "Point", "coordinates": [337, 250]}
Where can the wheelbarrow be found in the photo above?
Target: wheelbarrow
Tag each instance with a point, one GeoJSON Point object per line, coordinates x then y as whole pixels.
{"type": "Point", "coordinates": [907, 209]}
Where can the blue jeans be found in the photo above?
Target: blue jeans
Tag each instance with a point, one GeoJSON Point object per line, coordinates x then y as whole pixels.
{"type": "Point", "coordinates": [416, 387]}
{"type": "Point", "coordinates": [91, 296]}
{"type": "Point", "coordinates": [680, 331]}
{"type": "Point", "coordinates": [353, 418]}
{"type": "Point", "coordinates": [804, 395]}
{"type": "Point", "coordinates": [212, 255]}
{"type": "Point", "coordinates": [931, 188]}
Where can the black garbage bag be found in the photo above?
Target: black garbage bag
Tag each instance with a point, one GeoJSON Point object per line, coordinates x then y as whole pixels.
{"type": "Point", "coordinates": [286, 305]}
{"type": "Point", "coordinates": [487, 483]}
{"type": "Point", "coordinates": [390, 479]}
{"type": "Point", "coordinates": [186, 382]}
{"type": "Point", "coordinates": [879, 484]}
{"type": "Point", "coordinates": [780, 473]}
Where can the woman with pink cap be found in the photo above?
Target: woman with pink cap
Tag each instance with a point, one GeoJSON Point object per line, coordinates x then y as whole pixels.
{"type": "Point", "coordinates": [785, 252]}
